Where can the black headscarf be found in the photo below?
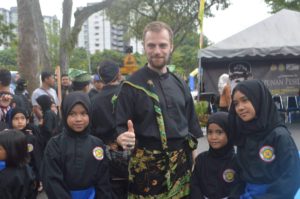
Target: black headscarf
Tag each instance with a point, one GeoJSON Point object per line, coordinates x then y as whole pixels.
{"type": "Point", "coordinates": [267, 117]}
{"type": "Point", "coordinates": [73, 98]}
{"type": "Point", "coordinates": [221, 119]}
{"type": "Point", "coordinates": [45, 102]}
{"type": "Point", "coordinates": [15, 111]}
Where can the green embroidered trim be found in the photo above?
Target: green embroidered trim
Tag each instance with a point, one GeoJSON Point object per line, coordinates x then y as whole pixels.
{"type": "Point", "coordinates": [160, 123]}
{"type": "Point", "coordinates": [149, 93]}
{"type": "Point", "coordinates": [114, 101]}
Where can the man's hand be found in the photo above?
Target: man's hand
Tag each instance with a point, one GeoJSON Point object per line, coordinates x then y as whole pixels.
{"type": "Point", "coordinates": [127, 139]}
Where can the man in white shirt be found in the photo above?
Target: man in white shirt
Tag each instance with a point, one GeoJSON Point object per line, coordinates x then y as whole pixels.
{"type": "Point", "coordinates": [46, 89]}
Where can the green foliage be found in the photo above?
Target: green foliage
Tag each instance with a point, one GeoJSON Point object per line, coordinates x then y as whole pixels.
{"type": "Point", "coordinates": [79, 59]}
{"type": "Point", "coordinates": [98, 57]}
{"type": "Point", "coordinates": [53, 39]}
{"type": "Point", "coordinates": [181, 15]}
{"type": "Point", "coordinates": [7, 36]}
{"type": "Point", "coordinates": [185, 56]}
{"type": "Point", "coordinates": [277, 5]}
{"type": "Point", "coordinates": [8, 58]}
{"type": "Point", "coordinates": [141, 59]}
{"type": "Point", "coordinates": [201, 109]}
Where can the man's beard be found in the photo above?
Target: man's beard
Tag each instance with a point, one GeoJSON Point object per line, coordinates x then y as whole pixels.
{"type": "Point", "coordinates": [163, 62]}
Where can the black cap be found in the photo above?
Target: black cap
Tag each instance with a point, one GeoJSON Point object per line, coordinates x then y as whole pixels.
{"type": "Point", "coordinates": [108, 71]}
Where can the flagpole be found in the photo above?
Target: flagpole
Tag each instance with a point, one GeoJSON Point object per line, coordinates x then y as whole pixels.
{"type": "Point", "coordinates": [200, 72]}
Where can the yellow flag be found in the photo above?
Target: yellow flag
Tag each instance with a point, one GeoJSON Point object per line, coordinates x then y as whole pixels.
{"type": "Point", "coordinates": [201, 14]}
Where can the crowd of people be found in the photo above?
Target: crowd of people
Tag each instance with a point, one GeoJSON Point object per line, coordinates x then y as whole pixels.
{"type": "Point", "coordinates": [137, 138]}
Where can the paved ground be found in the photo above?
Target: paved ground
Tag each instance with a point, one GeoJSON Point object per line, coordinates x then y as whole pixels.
{"type": "Point", "coordinates": [202, 146]}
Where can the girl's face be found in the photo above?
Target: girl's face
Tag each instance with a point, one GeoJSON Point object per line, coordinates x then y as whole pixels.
{"type": "Point", "coordinates": [243, 107]}
{"type": "Point", "coordinates": [78, 118]}
{"type": "Point", "coordinates": [216, 136]}
{"type": "Point", "coordinates": [2, 153]}
{"type": "Point", "coordinates": [19, 121]}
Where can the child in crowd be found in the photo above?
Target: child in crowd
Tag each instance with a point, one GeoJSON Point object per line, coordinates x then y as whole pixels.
{"type": "Point", "coordinates": [215, 170]}
{"type": "Point", "coordinates": [266, 153]}
{"type": "Point", "coordinates": [49, 125]}
{"type": "Point", "coordinates": [74, 162]}
{"type": "Point", "coordinates": [19, 121]}
{"type": "Point", "coordinates": [16, 177]}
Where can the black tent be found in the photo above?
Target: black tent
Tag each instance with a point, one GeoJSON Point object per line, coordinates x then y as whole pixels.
{"type": "Point", "coordinates": [271, 47]}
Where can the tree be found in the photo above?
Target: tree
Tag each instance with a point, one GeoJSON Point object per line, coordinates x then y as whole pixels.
{"type": "Point", "coordinates": [277, 5]}
{"type": "Point", "coordinates": [79, 59]}
{"type": "Point", "coordinates": [7, 36]}
{"type": "Point", "coordinates": [8, 58]}
{"type": "Point", "coordinates": [52, 32]}
{"type": "Point", "coordinates": [69, 36]}
{"type": "Point", "coordinates": [181, 15]}
{"type": "Point", "coordinates": [28, 49]}
{"type": "Point", "coordinates": [185, 58]}
{"type": "Point", "coordinates": [98, 57]}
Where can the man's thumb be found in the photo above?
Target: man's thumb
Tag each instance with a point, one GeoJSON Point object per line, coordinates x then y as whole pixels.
{"type": "Point", "coordinates": [130, 126]}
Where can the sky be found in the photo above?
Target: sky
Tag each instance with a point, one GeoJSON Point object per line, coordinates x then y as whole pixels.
{"type": "Point", "coordinates": [240, 15]}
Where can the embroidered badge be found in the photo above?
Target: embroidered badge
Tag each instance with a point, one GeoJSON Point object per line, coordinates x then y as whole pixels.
{"type": "Point", "coordinates": [228, 175]}
{"type": "Point", "coordinates": [266, 153]}
{"type": "Point", "coordinates": [98, 153]}
{"type": "Point", "coordinates": [29, 148]}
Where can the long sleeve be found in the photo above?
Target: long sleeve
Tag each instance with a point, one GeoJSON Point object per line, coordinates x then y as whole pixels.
{"type": "Point", "coordinates": [103, 187]}
{"type": "Point", "coordinates": [193, 122]}
{"type": "Point", "coordinates": [288, 182]}
{"type": "Point", "coordinates": [196, 192]}
{"type": "Point", "coordinates": [52, 174]}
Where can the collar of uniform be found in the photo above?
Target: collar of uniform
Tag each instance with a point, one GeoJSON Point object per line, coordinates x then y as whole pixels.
{"type": "Point", "coordinates": [155, 74]}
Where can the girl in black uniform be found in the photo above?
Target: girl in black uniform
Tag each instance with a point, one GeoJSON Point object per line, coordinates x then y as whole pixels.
{"type": "Point", "coordinates": [266, 153]}
{"type": "Point", "coordinates": [215, 169]}
{"type": "Point", "coordinates": [16, 177]}
{"type": "Point", "coordinates": [74, 164]}
{"type": "Point", "coordinates": [49, 125]}
{"type": "Point", "coordinates": [19, 121]}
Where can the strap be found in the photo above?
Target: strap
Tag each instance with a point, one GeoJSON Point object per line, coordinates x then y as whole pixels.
{"type": "Point", "coordinates": [48, 94]}
{"type": "Point", "coordinates": [160, 122]}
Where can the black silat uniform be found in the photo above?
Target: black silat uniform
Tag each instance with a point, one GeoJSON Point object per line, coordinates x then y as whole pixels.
{"type": "Point", "coordinates": [175, 101]}
{"type": "Point", "coordinates": [103, 118]}
{"type": "Point", "coordinates": [16, 182]}
{"type": "Point", "coordinates": [33, 144]}
{"type": "Point", "coordinates": [158, 103]}
{"type": "Point", "coordinates": [75, 161]}
{"type": "Point", "coordinates": [215, 172]}
{"type": "Point", "coordinates": [104, 127]}
{"type": "Point", "coordinates": [266, 153]}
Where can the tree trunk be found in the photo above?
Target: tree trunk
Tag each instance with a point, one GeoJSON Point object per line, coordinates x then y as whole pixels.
{"type": "Point", "coordinates": [45, 61]}
{"type": "Point", "coordinates": [28, 44]}
{"type": "Point", "coordinates": [64, 56]}
{"type": "Point", "coordinates": [68, 39]}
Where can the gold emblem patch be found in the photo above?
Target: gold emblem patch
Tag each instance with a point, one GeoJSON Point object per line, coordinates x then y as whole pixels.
{"type": "Point", "coordinates": [266, 153]}
{"type": "Point", "coordinates": [228, 175]}
{"type": "Point", "coordinates": [29, 148]}
{"type": "Point", "coordinates": [98, 153]}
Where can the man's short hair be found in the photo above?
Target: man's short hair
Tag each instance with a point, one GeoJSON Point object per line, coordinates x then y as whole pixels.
{"type": "Point", "coordinates": [45, 75]}
{"type": "Point", "coordinates": [64, 75]}
{"type": "Point", "coordinates": [158, 26]}
{"type": "Point", "coordinates": [5, 77]}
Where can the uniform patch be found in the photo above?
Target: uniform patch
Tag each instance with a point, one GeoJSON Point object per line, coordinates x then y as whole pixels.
{"type": "Point", "coordinates": [266, 153]}
{"type": "Point", "coordinates": [98, 153]}
{"type": "Point", "coordinates": [228, 175]}
{"type": "Point", "coordinates": [29, 148]}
